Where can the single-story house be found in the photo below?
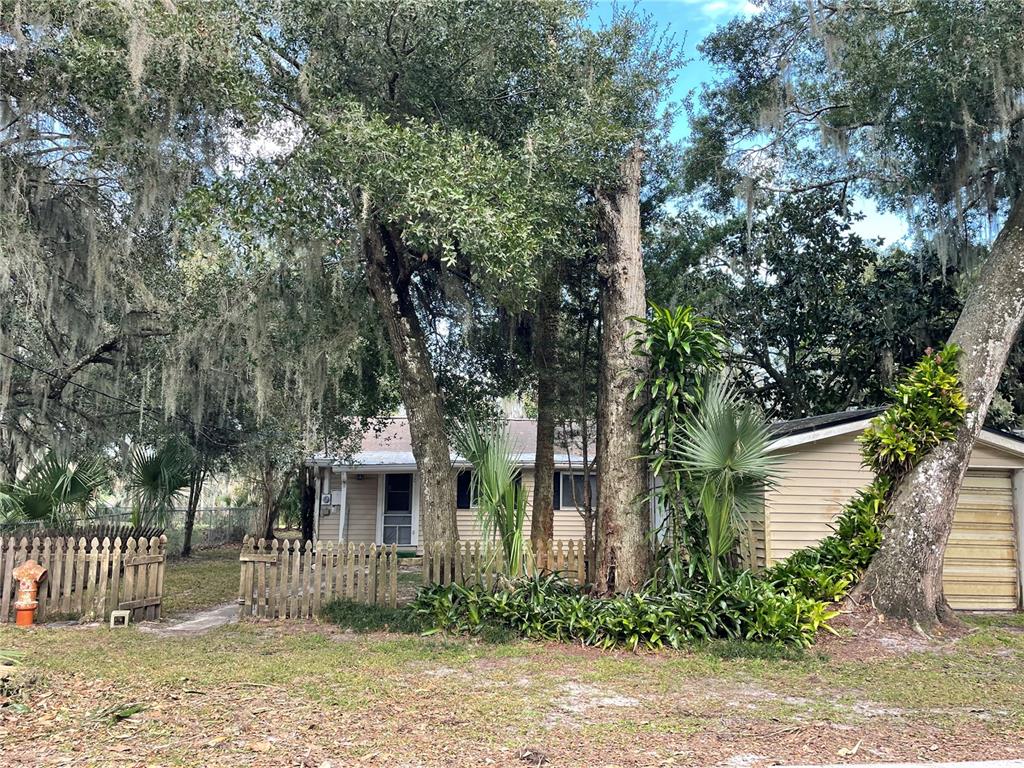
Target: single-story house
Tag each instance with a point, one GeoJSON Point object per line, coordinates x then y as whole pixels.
{"type": "Point", "coordinates": [373, 496]}
{"type": "Point", "coordinates": [821, 469]}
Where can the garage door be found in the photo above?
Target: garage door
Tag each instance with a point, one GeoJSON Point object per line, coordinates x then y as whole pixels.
{"type": "Point", "coordinates": [980, 570]}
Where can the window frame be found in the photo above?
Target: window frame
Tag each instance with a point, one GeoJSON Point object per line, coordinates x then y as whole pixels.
{"type": "Point", "coordinates": [571, 502]}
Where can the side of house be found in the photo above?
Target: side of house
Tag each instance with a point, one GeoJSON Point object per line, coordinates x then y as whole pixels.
{"type": "Point", "coordinates": [821, 470]}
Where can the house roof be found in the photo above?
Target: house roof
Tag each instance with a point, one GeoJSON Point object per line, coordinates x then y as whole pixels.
{"type": "Point", "coordinates": [390, 445]}
{"type": "Point", "coordinates": [822, 421]}
{"type": "Point", "coordinates": [788, 434]}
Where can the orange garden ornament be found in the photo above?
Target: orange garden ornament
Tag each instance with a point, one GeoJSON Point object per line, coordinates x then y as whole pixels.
{"type": "Point", "coordinates": [28, 574]}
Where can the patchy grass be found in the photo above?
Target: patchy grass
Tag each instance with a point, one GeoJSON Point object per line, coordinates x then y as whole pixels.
{"type": "Point", "coordinates": [206, 579]}
{"type": "Point", "coordinates": [371, 618]}
{"type": "Point", "coordinates": [283, 693]}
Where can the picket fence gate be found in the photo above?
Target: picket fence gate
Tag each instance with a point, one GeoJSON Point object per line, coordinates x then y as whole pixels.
{"type": "Point", "coordinates": [294, 579]}
{"type": "Point", "coordinates": [87, 579]}
{"type": "Point", "coordinates": [473, 563]}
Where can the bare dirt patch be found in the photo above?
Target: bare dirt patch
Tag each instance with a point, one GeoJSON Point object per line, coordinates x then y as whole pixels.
{"type": "Point", "coordinates": [862, 634]}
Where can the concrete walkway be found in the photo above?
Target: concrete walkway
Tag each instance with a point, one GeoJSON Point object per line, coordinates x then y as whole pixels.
{"type": "Point", "coordinates": [198, 624]}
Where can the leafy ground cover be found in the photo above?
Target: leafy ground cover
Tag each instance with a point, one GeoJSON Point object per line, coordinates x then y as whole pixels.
{"type": "Point", "coordinates": [275, 693]}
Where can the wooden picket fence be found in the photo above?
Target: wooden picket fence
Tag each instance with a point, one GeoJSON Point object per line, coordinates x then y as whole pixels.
{"type": "Point", "coordinates": [294, 579]}
{"type": "Point", "coordinates": [471, 562]}
{"type": "Point", "coordinates": [87, 579]}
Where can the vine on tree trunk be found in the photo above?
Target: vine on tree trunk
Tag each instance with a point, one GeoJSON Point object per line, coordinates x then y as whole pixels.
{"type": "Point", "coordinates": [928, 408]}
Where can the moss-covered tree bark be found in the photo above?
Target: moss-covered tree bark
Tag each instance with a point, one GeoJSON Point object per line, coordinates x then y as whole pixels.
{"type": "Point", "coordinates": [623, 523]}
{"type": "Point", "coordinates": [904, 580]}
{"type": "Point", "coordinates": [389, 275]}
{"type": "Point", "coordinates": [545, 351]}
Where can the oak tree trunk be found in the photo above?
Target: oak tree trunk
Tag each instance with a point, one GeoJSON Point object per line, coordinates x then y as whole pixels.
{"type": "Point", "coordinates": [195, 489]}
{"type": "Point", "coordinates": [904, 579]}
{"type": "Point", "coordinates": [307, 504]}
{"type": "Point", "coordinates": [389, 277]}
{"type": "Point", "coordinates": [623, 524]}
{"type": "Point", "coordinates": [545, 346]}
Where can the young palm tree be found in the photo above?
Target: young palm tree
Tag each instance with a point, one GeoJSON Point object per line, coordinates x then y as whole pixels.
{"type": "Point", "coordinates": [57, 490]}
{"type": "Point", "coordinates": [501, 502]}
{"type": "Point", "coordinates": [723, 446]}
{"type": "Point", "coordinates": [156, 480]}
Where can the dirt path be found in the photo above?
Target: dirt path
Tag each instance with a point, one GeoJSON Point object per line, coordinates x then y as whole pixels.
{"type": "Point", "coordinates": [197, 624]}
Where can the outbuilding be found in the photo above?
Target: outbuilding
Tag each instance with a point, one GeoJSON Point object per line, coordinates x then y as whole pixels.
{"type": "Point", "coordinates": [821, 470]}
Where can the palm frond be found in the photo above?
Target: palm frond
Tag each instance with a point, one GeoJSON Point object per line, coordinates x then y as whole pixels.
{"type": "Point", "coordinates": [724, 446]}
{"type": "Point", "coordinates": [156, 479]}
{"type": "Point", "coordinates": [501, 501]}
{"type": "Point", "coordinates": [59, 489]}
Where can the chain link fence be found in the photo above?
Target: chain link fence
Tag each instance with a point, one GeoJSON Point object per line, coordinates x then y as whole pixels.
{"type": "Point", "coordinates": [214, 526]}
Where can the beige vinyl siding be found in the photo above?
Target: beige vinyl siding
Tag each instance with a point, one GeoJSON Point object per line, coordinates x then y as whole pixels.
{"type": "Point", "coordinates": [567, 523]}
{"type": "Point", "coordinates": [816, 480]}
{"type": "Point", "coordinates": [989, 457]}
{"type": "Point", "coordinates": [327, 529]}
{"type": "Point", "coordinates": [980, 569]}
{"type": "Point", "coordinates": [752, 540]}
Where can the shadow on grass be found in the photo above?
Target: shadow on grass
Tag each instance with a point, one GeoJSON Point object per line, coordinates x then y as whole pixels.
{"type": "Point", "coordinates": [362, 619]}
{"type": "Point", "coordinates": [372, 618]}
{"type": "Point", "coordinates": [745, 649]}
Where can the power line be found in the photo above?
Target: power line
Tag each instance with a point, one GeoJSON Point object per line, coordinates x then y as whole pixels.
{"type": "Point", "coordinates": [153, 413]}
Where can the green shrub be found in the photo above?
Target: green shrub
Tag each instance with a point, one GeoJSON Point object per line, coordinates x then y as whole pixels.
{"type": "Point", "coordinates": [788, 605]}
{"type": "Point", "coordinates": [742, 607]}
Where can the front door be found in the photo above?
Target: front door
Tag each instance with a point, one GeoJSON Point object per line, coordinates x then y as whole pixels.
{"type": "Point", "coordinates": [397, 524]}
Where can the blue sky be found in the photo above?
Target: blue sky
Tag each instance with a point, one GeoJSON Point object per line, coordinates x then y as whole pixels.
{"type": "Point", "coordinates": [690, 21]}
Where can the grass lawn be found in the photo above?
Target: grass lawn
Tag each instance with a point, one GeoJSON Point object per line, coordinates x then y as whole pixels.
{"type": "Point", "coordinates": [207, 579]}
{"type": "Point", "coordinates": [291, 693]}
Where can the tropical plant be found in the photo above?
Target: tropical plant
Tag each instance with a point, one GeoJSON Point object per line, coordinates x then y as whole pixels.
{"type": "Point", "coordinates": [156, 479]}
{"type": "Point", "coordinates": [723, 446]}
{"type": "Point", "coordinates": [682, 350]}
{"type": "Point", "coordinates": [495, 482]}
{"type": "Point", "coordinates": [57, 490]}
{"type": "Point", "coordinates": [549, 608]}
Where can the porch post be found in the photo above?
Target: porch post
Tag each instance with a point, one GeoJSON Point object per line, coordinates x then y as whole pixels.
{"type": "Point", "coordinates": [343, 508]}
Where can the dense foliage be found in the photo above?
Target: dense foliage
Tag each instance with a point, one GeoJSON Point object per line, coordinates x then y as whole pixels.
{"type": "Point", "coordinates": [788, 604]}
{"type": "Point", "coordinates": [819, 317]}
{"type": "Point", "coordinates": [550, 608]}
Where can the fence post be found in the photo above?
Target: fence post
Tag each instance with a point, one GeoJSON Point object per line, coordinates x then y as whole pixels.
{"type": "Point", "coordinates": [69, 575]}
{"type": "Point", "coordinates": [307, 580]}
{"type": "Point", "coordinates": [285, 576]}
{"type": "Point", "coordinates": [272, 580]}
{"type": "Point", "coordinates": [393, 585]}
{"type": "Point", "coordinates": [244, 579]}
{"type": "Point", "coordinates": [293, 593]}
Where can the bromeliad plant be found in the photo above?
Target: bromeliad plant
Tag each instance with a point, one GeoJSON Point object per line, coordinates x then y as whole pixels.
{"type": "Point", "coordinates": [928, 408]}
{"type": "Point", "coordinates": [501, 501]}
